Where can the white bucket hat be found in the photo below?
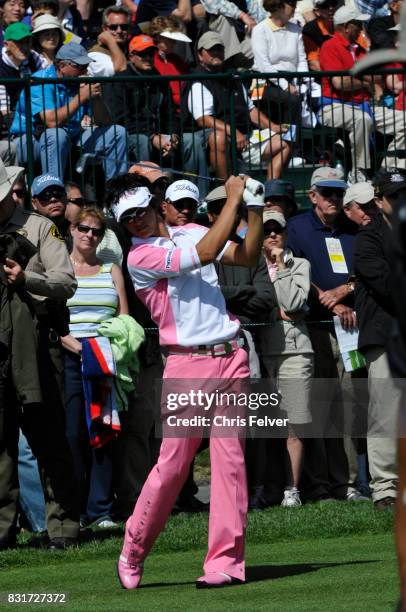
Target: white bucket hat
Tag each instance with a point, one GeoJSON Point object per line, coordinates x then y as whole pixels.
{"type": "Point", "coordinates": [48, 22]}
{"type": "Point", "coordinates": [179, 36]}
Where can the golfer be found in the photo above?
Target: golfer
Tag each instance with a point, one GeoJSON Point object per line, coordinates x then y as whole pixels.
{"type": "Point", "coordinates": [173, 274]}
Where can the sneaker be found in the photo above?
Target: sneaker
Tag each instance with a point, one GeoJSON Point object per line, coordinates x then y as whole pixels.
{"type": "Point", "coordinates": [257, 501]}
{"type": "Point", "coordinates": [356, 177]}
{"type": "Point", "coordinates": [297, 162]}
{"type": "Point", "coordinates": [291, 498]}
{"type": "Point", "coordinates": [105, 523]}
{"type": "Point", "coordinates": [356, 496]}
{"type": "Point", "coordinates": [190, 505]}
{"type": "Point", "coordinates": [387, 503]}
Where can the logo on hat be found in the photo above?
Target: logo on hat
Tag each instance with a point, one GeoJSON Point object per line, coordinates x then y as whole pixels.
{"type": "Point", "coordinates": [397, 178]}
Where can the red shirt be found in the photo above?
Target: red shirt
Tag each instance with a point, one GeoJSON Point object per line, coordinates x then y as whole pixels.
{"type": "Point", "coordinates": [173, 65]}
{"type": "Point", "coordinates": [335, 54]}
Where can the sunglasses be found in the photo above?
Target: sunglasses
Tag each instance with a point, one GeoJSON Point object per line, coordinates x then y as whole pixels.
{"type": "Point", "coordinates": [122, 26]}
{"type": "Point", "coordinates": [275, 229]}
{"type": "Point", "coordinates": [138, 213]}
{"type": "Point", "coordinates": [96, 231]}
{"type": "Point", "coordinates": [49, 194]}
{"type": "Point", "coordinates": [20, 193]}
{"type": "Point", "coordinates": [182, 205]}
{"type": "Point", "coordinates": [329, 192]}
{"type": "Point", "coordinates": [147, 53]}
{"type": "Point", "coordinates": [77, 201]}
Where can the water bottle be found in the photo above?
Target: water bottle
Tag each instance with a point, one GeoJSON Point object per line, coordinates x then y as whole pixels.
{"type": "Point", "coordinates": [340, 169]}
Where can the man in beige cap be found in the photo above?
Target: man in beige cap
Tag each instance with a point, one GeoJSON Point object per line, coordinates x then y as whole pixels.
{"type": "Point", "coordinates": [324, 237]}
{"type": "Point", "coordinates": [49, 279]}
{"type": "Point", "coordinates": [359, 203]}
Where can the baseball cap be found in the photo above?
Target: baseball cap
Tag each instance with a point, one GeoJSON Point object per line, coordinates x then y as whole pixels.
{"type": "Point", "coordinates": [209, 39]}
{"type": "Point", "coordinates": [139, 197]}
{"type": "Point", "coordinates": [362, 193]}
{"type": "Point", "coordinates": [219, 193]}
{"type": "Point", "coordinates": [17, 31]}
{"type": "Point", "coordinates": [273, 215]}
{"type": "Point", "coordinates": [48, 22]}
{"type": "Point", "coordinates": [279, 189]}
{"type": "Point", "coordinates": [42, 182]}
{"type": "Point", "coordinates": [182, 189]}
{"type": "Point", "coordinates": [140, 43]}
{"type": "Point", "coordinates": [328, 177]}
{"type": "Point", "coordinates": [388, 182]}
{"type": "Point", "coordinates": [179, 36]}
{"type": "Point", "coordinates": [74, 53]}
{"type": "Point", "coordinates": [346, 13]}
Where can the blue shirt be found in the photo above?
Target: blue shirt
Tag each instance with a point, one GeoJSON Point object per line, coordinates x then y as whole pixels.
{"type": "Point", "coordinates": [307, 238]}
{"type": "Point", "coordinates": [49, 96]}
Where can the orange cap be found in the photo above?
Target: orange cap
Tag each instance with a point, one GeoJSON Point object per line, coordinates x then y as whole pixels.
{"type": "Point", "coordinates": [148, 169]}
{"type": "Point", "coordinates": [140, 43]}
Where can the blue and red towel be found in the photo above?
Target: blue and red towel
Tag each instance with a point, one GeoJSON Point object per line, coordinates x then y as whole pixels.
{"type": "Point", "coordinates": [98, 371]}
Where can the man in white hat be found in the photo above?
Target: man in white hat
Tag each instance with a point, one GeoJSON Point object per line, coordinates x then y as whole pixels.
{"type": "Point", "coordinates": [49, 279]}
{"type": "Point", "coordinates": [346, 100]}
{"type": "Point", "coordinates": [359, 203]}
{"type": "Point", "coordinates": [181, 202]}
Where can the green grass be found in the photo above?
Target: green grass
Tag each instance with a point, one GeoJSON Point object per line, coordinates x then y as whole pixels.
{"type": "Point", "coordinates": [320, 557]}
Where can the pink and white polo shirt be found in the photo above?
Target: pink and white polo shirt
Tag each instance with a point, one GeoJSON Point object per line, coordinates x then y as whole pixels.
{"type": "Point", "coordinates": [183, 296]}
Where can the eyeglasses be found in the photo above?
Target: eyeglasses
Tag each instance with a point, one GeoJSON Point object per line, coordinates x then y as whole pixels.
{"type": "Point", "coordinates": [52, 194]}
{"type": "Point", "coordinates": [275, 229]}
{"type": "Point", "coordinates": [20, 193]}
{"type": "Point", "coordinates": [77, 201]}
{"type": "Point", "coordinates": [138, 213]}
{"type": "Point", "coordinates": [122, 26]}
{"type": "Point", "coordinates": [330, 192]}
{"type": "Point", "coordinates": [85, 229]}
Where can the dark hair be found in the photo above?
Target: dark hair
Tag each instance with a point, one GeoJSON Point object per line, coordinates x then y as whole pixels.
{"type": "Point", "coordinates": [273, 5]}
{"type": "Point", "coordinates": [45, 4]}
{"type": "Point", "coordinates": [118, 185]}
{"type": "Point", "coordinates": [3, 2]}
{"type": "Point", "coordinates": [36, 44]}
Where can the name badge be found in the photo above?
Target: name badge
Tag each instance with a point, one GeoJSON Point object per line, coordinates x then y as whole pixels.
{"type": "Point", "coordinates": [336, 255]}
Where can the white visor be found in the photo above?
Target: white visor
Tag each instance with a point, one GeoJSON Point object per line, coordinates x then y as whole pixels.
{"type": "Point", "coordinates": [139, 197]}
{"type": "Point", "coordinates": [179, 36]}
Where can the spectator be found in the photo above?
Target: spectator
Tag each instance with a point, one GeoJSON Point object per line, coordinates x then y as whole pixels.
{"type": "Point", "coordinates": [234, 24]}
{"type": "Point", "coordinates": [43, 7]}
{"type": "Point", "coordinates": [317, 31]}
{"type": "Point", "coordinates": [180, 205]}
{"type": "Point", "coordinates": [45, 273]}
{"type": "Point", "coordinates": [17, 60]}
{"type": "Point", "coordinates": [100, 295]}
{"type": "Point", "coordinates": [19, 192]}
{"type": "Point", "coordinates": [359, 204]}
{"type": "Point", "coordinates": [278, 46]}
{"type": "Point", "coordinates": [346, 100]}
{"type": "Point", "coordinates": [166, 32]}
{"type": "Point", "coordinates": [71, 19]}
{"type": "Point", "coordinates": [380, 29]}
{"type": "Point", "coordinates": [375, 315]}
{"type": "Point", "coordinates": [57, 115]}
{"type": "Point", "coordinates": [75, 201]}
{"type": "Point", "coordinates": [48, 37]}
{"type": "Point", "coordinates": [287, 352]}
{"type": "Point", "coordinates": [207, 105]}
{"type": "Point", "coordinates": [49, 200]}
{"type": "Point", "coordinates": [11, 11]}
{"type": "Point", "coordinates": [280, 197]}
{"type": "Point", "coordinates": [314, 236]}
{"type": "Point", "coordinates": [112, 42]}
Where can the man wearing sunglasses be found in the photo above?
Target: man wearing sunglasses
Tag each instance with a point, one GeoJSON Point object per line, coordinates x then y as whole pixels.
{"type": "Point", "coordinates": [325, 238]}
{"type": "Point", "coordinates": [58, 111]}
{"type": "Point", "coordinates": [112, 42]}
{"type": "Point", "coordinates": [49, 200]}
{"type": "Point", "coordinates": [180, 204]}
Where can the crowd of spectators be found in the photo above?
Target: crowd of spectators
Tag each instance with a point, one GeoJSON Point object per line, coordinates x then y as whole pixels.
{"type": "Point", "coordinates": [330, 261]}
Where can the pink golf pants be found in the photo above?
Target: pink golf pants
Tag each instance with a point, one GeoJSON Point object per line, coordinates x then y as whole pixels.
{"type": "Point", "coordinates": [229, 498]}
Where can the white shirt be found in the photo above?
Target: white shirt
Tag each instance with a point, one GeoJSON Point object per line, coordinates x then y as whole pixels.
{"type": "Point", "coordinates": [201, 102]}
{"type": "Point", "coordinates": [278, 50]}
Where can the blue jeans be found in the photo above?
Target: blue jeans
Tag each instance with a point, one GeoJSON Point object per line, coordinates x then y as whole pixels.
{"type": "Point", "coordinates": [93, 467]}
{"type": "Point", "coordinates": [193, 155]}
{"type": "Point", "coordinates": [53, 148]}
{"type": "Point", "coordinates": [31, 493]}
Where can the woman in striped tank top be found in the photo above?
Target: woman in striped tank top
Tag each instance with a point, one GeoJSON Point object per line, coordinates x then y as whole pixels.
{"type": "Point", "coordinates": [100, 295]}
